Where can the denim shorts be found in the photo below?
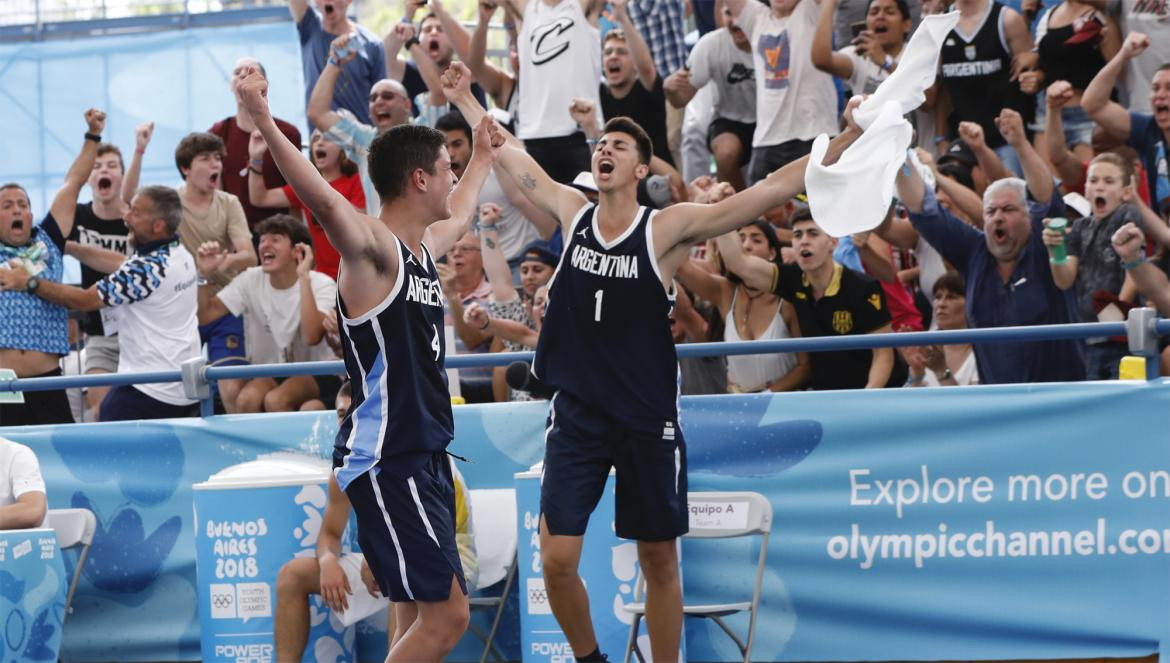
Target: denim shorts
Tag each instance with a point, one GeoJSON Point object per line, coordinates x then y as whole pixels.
{"type": "Point", "coordinates": [1078, 128]}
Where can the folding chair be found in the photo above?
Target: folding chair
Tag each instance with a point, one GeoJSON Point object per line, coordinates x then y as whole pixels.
{"type": "Point", "coordinates": [74, 527]}
{"type": "Point", "coordinates": [756, 522]}
{"type": "Point", "coordinates": [493, 517]}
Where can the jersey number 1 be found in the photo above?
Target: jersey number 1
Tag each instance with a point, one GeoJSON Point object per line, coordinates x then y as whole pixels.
{"type": "Point", "coordinates": [597, 309]}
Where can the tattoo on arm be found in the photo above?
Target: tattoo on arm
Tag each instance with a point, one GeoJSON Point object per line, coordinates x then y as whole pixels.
{"type": "Point", "coordinates": [528, 181]}
{"type": "Point", "coordinates": [491, 243]}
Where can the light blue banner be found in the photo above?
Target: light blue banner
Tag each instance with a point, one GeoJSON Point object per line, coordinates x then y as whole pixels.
{"type": "Point", "coordinates": [982, 523]}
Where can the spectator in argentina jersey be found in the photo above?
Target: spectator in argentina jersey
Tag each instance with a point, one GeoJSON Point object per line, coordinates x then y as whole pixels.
{"type": "Point", "coordinates": [99, 225]}
{"type": "Point", "coordinates": [980, 59]}
{"type": "Point", "coordinates": [606, 347]}
{"type": "Point", "coordinates": [389, 455]}
{"type": "Point", "coordinates": [34, 334]}
{"type": "Point", "coordinates": [153, 294]}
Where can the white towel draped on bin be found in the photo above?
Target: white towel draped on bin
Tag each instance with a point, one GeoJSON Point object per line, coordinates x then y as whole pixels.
{"type": "Point", "coordinates": [853, 194]}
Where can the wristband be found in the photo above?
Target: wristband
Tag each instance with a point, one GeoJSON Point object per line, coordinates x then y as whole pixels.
{"type": "Point", "coordinates": [256, 163]}
{"type": "Point", "coordinates": [413, 41]}
{"type": "Point", "coordinates": [335, 62]}
{"type": "Point", "coordinates": [406, 20]}
{"type": "Point", "coordinates": [202, 281]}
{"type": "Point", "coordinates": [1128, 265]}
{"type": "Point", "coordinates": [255, 170]}
{"type": "Point", "coordinates": [94, 137]}
{"type": "Point", "coordinates": [911, 381]}
{"type": "Point", "coordinates": [509, 25]}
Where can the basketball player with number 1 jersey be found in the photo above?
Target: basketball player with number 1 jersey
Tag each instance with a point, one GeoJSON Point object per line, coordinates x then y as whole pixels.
{"type": "Point", "coordinates": [606, 348]}
{"type": "Point", "coordinates": [390, 454]}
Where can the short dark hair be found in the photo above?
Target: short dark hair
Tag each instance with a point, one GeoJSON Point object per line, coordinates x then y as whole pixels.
{"type": "Point", "coordinates": [429, 16]}
{"type": "Point", "coordinates": [903, 8]}
{"type": "Point", "coordinates": [1165, 67]}
{"type": "Point", "coordinates": [454, 121]}
{"type": "Point", "coordinates": [641, 138]}
{"type": "Point", "coordinates": [398, 152]}
{"type": "Point", "coordinates": [953, 282]}
{"type": "Point", "coordinates": [283, 224]}
{"type": "Point", "coordinates": [957, 172]}
{"type": "Point", "coordinates": [1117, 161]}
{"type": "Point", "coordinates": [802, 213]}
{"type": "Point", "coordinates": [167, 205]}
{"type": "Point", "coordinates": [345, 391]}
{"type": "Point", "coordinates": [194, 144]}
{"type": "Point", "coordinates": [110, 148]}
{"type": "Point", "coordinates": [13, 185]}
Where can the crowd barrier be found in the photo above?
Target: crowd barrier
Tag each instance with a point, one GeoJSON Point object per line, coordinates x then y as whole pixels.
{"type": "Point", "coordinates": [991, 522]}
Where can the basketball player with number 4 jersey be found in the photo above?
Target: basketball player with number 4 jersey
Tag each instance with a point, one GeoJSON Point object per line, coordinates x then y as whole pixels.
{"type": "Point", "coordinates": [606, 348]}
{"type": "Point", "coordinates": [390, 454]}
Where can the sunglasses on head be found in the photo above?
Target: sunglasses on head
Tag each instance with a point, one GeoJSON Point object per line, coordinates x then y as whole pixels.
{"type": "Point", "coordinates": [386, 95]}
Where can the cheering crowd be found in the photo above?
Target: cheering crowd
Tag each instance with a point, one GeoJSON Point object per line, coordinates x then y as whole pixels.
{"type": "Point", "coordinates": [1037, 193]}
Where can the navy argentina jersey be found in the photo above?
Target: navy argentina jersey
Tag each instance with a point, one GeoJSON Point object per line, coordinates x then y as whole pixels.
{"type": "Point", "coordinates": [606, 336]}
{"type": "Point", "coordinates": [401, 411]}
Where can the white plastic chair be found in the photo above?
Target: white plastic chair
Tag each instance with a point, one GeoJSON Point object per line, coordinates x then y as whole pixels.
{"type": "Point", "coordinates": [74, 527]}
{"type": "Point", "coordinates": [756, 522]}
{"type": "Point", "coordinates": [493, 517]}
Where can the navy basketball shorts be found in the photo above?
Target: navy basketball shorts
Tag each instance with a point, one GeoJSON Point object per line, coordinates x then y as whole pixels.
{"type": "Point", "coordinates": [406, 529]}
{"type": "Point", "coordinates": [582, 443]}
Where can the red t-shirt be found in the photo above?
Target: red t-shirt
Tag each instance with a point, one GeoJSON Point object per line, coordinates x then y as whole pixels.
{"type": "Point", "coordinates": [235, 166]}
{"type": "Point", "coordinates": [327, 258]}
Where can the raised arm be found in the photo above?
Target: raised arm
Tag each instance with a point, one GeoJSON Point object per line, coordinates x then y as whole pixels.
{"type": "Point", "coordinates": [1130, 243]}
{"type": "Point", "coordinates": [756, 273]}
{"type": "Point", "coordinates": [823, 55]}
{"type": "Point", "coordinates": [478, 318]}
{"type": "Point", "coordinates": [456, 33]}
{"type": "Point", "coordinates": [559, 200]}
{"type": "Point", "coordinates": [1112, 117]}
{"type": "Point", "coordinates": [493, 80]}
{"type": "Point", "coordinates": [678, 88]}
{"type": "Point", "coordinates": [639, 51]}
{"type": "Point", "coordinates": [1036, 172]}
{"type": "Point", "coordinates": [312, 318]}
{"type": "Point", "coordinates": [320, 109]}
{"type": "Point", "coordinates": [989, 161]}
{"type": "Point", "coordinates": [258, 193]}
{"type": "Point", "coordinates": [487, 140]}
{"type": "Point", "coordinates": [1068, 168]}
{"type": "Point", "coordinates": [911, 187]}
{"type": "Point", "coordinates": [141, 139]}
{"type": "Point", "coordinates": [711, 287]}
{"type": "Point", "coordinates": [342, 223]}
{"type": "Point", "coordinates": [65, 202]}
{"type": "Point", "coordinates": [695, 223]}
{"type": "Point", "coordinates": [298, 8]}
{"type": "Point", "coordinates": [495, 265]}
{"type": "Point", "coordinates": [545, 223]}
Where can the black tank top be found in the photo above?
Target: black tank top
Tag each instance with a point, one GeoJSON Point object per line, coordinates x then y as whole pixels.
{"type": "Point", "coordinates": [1075, 63]}
{"type": "Point", "coordinates": [977, 75]}
{"type": "Point", "coordinates": [401, 408]}
{"type": "Point", "coordinates": [606, 335]}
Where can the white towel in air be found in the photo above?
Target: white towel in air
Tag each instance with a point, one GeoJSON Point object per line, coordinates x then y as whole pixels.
{"type": "Point", "coordinates": [853, 194]}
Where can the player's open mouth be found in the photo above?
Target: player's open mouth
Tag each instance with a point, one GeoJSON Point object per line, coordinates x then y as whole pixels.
{"type": "Point", "coordinates": [605, 167]}
{"type": "Point", "coordinates": [266, 257]}
{"type": "Point", "coordinates": [320, 155]}
{"type": "Point", "coordinates": [329, 9]}
{"type": "Point", "coordinates": [104, 183]}
{"type": "Point", "coordinates": [18, 224]}
{"type": "Point", "coordinates": [214, 179]}
{"type": "Point", "coordinates": [1099, 204]}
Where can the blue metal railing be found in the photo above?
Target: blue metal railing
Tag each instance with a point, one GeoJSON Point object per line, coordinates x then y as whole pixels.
{"type": "Point", "coordinates": [1142, 330]}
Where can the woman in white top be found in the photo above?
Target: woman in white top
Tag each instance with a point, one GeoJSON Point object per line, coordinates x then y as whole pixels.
{"type": "Point", "coordinates": [752, 315]}
{"type": "Point", "coordinates": [945, 365]}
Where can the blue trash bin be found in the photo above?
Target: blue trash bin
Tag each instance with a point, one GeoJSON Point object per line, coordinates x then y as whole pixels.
{"type": "Point", "coordinates": [250, 519]}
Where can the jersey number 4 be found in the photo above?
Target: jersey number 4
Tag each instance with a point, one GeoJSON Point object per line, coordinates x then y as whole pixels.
{"type": "Point", "coordinates": [435, 342]}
